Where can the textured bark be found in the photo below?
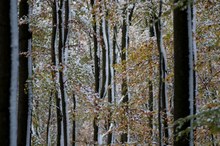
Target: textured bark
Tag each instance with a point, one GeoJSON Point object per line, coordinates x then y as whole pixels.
{"type": "Point", "coordinates": [53, 72]}
{"type": "Point", "coordinates": [8, 82]}
{"type": "Point", "coordinates": [182, 71]}
{"type": "Point", "coordinates": [25, 99]}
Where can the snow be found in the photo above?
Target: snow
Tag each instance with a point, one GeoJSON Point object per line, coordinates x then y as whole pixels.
{"type": "Point", "coordinates": [14, 72]}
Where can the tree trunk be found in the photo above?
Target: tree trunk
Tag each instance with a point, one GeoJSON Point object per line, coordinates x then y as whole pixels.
{"type": "Point", "coordinates": [74, 121]}
{"type": "Point", "coordinates": [104, 57]}
{"type": "Point", "coordinates": [183, 71]}
{"type": "Point", "coordinates": [8, 72]}
{"type": "Point", "coordinates": [124, 86]}
{"type": "Point", "coordinates": [109, 82]}
{"type": "Point", "coordinates": [162, 101]}
{"type": "Point", "coordinates": [97, 69]}
{"type": "Point", "coordinates": [61, 48]}
{"type": "Point", "coordinates": [25, 68]}
{"type": "Point", "coordinates": [150, 83]}
{"type": "Point", "coordinates": [53, 72]}
{"type": "Point", "coordinates": [49, 120]}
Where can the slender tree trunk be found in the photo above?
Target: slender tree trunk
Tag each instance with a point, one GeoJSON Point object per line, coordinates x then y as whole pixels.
{"type": "Point", "coordinates": [74, 121]}
{"type": "Point", "coordinates": [61, 48]}
{"type": "Point", "coordinates": [162, 101]}
{"type": "Point", "coordinates": [25, 68]}
{"type": "Point", "coordinates": [104, 57]}
{"type": "Point", "coordinates": [150, 83]}
{"type": "Point", "coordinates": [53, 72]}
{"type": "Point", "coordinates": [150, 106]}
{"type": "Point", "coordinates": [194, 50]}
{"type": "Point", "coordinates": [8, 72]}
{"type": "Point", "coordinates": [97, 69]}
{"type": "Point", "coordinates": [124, 86]}
{"type": "Point", "coordinates": [109, 83]}
{"type": "Point", "coordinates": [114, 55]}
{"type": "Point", "coordinates": [183, 71]}
{"type": "Point", "coordinates": [49, 119]}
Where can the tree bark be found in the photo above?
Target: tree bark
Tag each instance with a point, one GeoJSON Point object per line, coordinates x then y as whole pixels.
{"type": "Point", "coordinates": [183, 71]}
{"type": "Point", "coordinates": [74, 121]}
{"type": "Point", "coordinates": [49, 119]}
{"type": "Point", "coordinates": [124, 86]}
{"type": "Point", "coordinates": [8, 72]}
{"type": "Point", "coordinates": [53, 72]}
{"type": "Point", "coordinates": [162, 100]}
{"type": "Point", "coordinates": [61, 48]}
{"type": "Point", "coordinates": [109, 83]}
{"type": "Point", "coordinates": [25, 99]}
{"type": "Point", "coordinates": [97, 68]}
{"type": "Point", "coordinates": [150, 83]}
{"type": "Point", "coordinates": [104, 57]}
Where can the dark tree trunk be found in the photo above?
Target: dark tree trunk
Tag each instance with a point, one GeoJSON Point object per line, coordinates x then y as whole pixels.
{"type": "Point", "coordinates": [25, 99]}
{"type": "Point", "coordinates": [61, 48]}
{"type": "Point", "coordinates": [74, 121]}
{"type": "Point", "coordinates": [183, 71]}
{"type": "Point", "coordinates": [49, 119]}
{"type": "Point", "coordinates": [53, 72]}
{"type": "Point", "coordinates": [124, 86]}
{"type": "Point", "coordinates": [8, 72]}
{"type": "Point", "coordinates": [114, 56]}
{"type": "Point", "coordinates": [150, 105]}
{"type": "Point", "coordinates": [150, 83]}
{"type": "Point", "coordinates": [97, 68]}
{"type": "Point", "coordinates": [162, 115]}
{"type": "Point", "coordinates": [104, 57]}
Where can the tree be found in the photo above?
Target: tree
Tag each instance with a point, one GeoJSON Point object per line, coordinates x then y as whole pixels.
{"type": "Point", "coordinates": [8, 72]}
{"type": "Point", "coordinates": [25, 69]}
{"type": "Point", "coordinates": [183, 70]}
{"type": "Point", "coordinates": [63, 34]}
{"type": "Point", "coordinates": [162, 100]}
{"type": "Point", "coordinates": [127, 16]}
{"type": "Point", "coordinates": [96, 66]}
{"type": "Point", "coordinates": [124, 85]}
{"type": "Point", "coordinates": [54, 74]}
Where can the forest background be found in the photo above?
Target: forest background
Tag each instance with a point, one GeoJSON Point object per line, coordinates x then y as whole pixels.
{"type": "Point", "coordinates": [137, 72]}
